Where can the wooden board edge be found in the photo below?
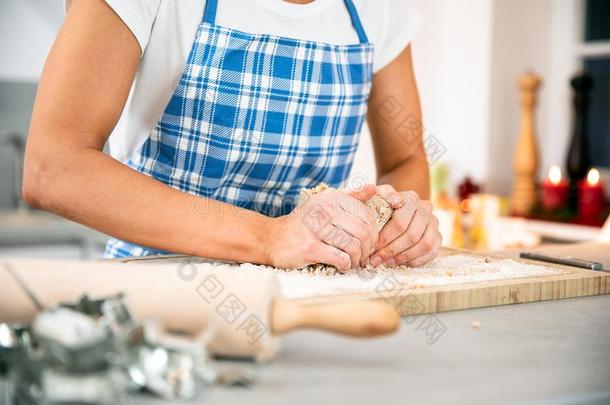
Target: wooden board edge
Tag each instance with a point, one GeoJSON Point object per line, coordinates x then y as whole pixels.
{"type": "Point", "coordinates": [412, 302]}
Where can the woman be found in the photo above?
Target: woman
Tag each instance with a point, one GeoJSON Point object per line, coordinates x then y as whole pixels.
{"type": "Point", "coordinates": [221, 111]}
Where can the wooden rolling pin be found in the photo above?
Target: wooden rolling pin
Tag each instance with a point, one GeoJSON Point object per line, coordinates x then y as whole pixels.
{"type": "Point", "coordinates": [358, 319]}
{"type": "Point", "coordinates": [243, 309]}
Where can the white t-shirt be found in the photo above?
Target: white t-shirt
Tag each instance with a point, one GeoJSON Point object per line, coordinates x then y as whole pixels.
{"type": "Point", "coordinates": [165, 30]}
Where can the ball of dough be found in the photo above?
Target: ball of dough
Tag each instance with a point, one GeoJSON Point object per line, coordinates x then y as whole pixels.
{"type": "Point", "coordinates": [383, 211]}
{"type": "Point", "coordinates": [379, 206]}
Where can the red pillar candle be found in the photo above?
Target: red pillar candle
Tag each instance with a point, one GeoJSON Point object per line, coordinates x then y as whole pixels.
{"type": "Point", "coordinates": [591, 199]}
{"type": "Point", "coordinates": [554, 190]}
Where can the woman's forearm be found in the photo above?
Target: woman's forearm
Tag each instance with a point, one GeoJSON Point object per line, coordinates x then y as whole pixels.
{"type": "Point", "coordinates": [411, 174]}
{"type": "Point", "coordinates": [94, 189]}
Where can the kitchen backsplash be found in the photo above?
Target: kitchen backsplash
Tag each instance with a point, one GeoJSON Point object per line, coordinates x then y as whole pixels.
{"type": "Point", "coordinates": [16, 100]}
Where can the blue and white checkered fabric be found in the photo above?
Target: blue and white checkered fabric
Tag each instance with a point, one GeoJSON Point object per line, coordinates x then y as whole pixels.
{"type": "Point", "coordinates": [257, 118]}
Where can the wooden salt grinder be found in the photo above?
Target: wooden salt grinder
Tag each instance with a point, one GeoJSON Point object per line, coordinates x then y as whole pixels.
{"type": "Point", "coordinates": [526, 150]}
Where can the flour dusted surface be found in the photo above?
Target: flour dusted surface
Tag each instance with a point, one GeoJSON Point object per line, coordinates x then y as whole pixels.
{"type": "Point", "coordinates": [447, 270]}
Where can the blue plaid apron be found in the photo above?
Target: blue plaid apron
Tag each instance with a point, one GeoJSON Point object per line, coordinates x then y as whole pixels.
{"type": "Point", "coordinates": [256, 118]}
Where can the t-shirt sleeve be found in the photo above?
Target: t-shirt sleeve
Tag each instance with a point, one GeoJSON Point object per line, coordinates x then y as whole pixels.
{"type": "Point", "coordinates": [401, 23]}
{"type": "Point", "coordinates": [138, 15]}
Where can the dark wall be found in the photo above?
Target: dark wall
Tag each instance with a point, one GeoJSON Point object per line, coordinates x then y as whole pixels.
{"type": "Point", "coordinates": [599, 112]}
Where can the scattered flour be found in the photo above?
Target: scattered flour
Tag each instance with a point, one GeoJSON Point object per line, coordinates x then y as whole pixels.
{"type": "Point", "coordinates": [317, 281]}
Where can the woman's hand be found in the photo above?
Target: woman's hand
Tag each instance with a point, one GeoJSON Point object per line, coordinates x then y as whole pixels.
{"type": "Point", "coordinates": [333, 227]}
{"type": "Point", "coordinates": [411, 236]}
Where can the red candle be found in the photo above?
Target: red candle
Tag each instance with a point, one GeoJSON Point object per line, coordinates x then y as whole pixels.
{"type": "Point", "coordinates": [554, 190]}
{"type": "Point", "coordinates": [591, 199]}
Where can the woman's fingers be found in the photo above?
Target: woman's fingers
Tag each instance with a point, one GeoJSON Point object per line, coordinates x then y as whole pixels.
{"type": "Point", "coordinates": [332, 227]}
{"type": "Point", "coordinates": [411, 235]}
{"type": "Point", "coordinates": [433, 254]}
{"type": "Point", "coordinates": [426, 249]}
{"type": "Point", "coordinates": [344, 229]}
{"type": "Point", "coordinates": [392, 197]}
{"type": "Point", "coordinates": [357, 230]}
{"type": "Point", "coordinates": [359, 221]}
{"type": "Point", "coordinates": [362, 193]}
{"type": "Point", "coordinates": [334, 236]}
{"type": "Point", "coordinates": [400, 221]}
{"type": "Point", "coordinates": [327, 254]}
{"type": "Point", "coordinates": [351, 215]}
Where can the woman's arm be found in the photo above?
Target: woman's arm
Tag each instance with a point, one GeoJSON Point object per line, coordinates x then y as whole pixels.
{"type": "Point", "coordinates": [81, 95]}
{"type": "Point", "coordinates": [394, 117]}
{"type": "Point", "coordinates": [83, 89]}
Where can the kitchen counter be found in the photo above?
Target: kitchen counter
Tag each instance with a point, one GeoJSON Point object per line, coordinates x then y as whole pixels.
{"type": "Point", "coordinates": [30, 231]}
{"type": "Point", "coordinates": [549, 352]}
{"type": "Point", "coordinates": [539, 353]}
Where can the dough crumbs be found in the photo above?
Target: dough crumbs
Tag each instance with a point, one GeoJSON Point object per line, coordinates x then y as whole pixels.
{"type": "Point", "coordinates": [307, 193]}
{"type": "Point", "coordinates": [476, 325]}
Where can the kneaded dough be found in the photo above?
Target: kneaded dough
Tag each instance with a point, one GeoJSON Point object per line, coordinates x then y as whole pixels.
{"type": "Point", "coordinates": [379, 206]}
{"type": "Point", "coordinates": [383, 211]}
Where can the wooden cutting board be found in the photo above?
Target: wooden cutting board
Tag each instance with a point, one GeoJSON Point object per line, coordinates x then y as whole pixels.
{"type": "Point", "coordinates": [569, 282]}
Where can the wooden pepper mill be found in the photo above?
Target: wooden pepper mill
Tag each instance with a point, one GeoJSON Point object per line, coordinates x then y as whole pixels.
{"type": "Point", "coordinates": [578, 160]}
{"type": "Point", "coordinates": [526, 150]}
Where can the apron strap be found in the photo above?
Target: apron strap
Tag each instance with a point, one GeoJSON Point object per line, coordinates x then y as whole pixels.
{"type": "Point", "coordinates": [209, 15]}
{"type": "Point", "coordinates": [353, 14]}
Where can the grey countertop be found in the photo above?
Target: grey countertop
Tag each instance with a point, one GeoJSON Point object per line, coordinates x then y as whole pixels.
{"type": "Point", "coordinates": [554, 352]}
{"type": "Point", "coordinates": [548, 352]}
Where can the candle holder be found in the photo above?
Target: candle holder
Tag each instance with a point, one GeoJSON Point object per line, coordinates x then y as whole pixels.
{"type": "Point", "coordinates": [591, 199]}
{"type": "Point", "coordinates": [554, 191]}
